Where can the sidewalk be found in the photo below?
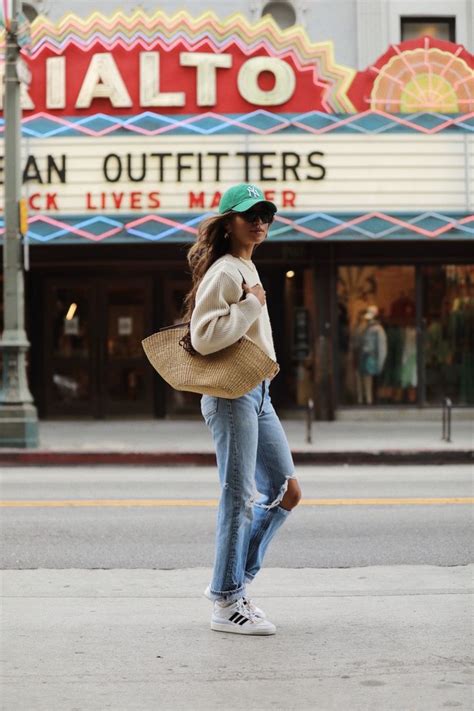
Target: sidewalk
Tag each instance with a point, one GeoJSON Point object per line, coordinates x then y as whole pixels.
{"type": "Point", "coordinates": [156, 442]}
{"type": "Point", "coordinates": [378, 638]}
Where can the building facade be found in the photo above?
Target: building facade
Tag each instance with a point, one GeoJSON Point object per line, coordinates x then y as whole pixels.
{"type": "Point", "coordinates": [360, 30]}
{"type": "Point", "coordinates": [135, 123]}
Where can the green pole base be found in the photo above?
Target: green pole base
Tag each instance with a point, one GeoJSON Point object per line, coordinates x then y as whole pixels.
{"type": "Point", "coordinates": [19, 426]}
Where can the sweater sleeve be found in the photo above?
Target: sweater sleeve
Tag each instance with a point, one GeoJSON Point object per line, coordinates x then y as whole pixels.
{"type": "Point", "coordinates": [219, 318]}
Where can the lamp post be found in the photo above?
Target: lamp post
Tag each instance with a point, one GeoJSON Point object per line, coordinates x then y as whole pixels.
{"type": "Point", "coordinates": [18, 415]}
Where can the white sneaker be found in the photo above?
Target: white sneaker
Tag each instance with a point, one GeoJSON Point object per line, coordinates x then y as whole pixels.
{"type": "Point", "coordinates": [238, 618]}
{"type": "Point", "coordinates": [247, 601]}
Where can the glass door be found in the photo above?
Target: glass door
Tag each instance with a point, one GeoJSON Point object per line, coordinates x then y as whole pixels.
{"type": "Point", "coordinates": [94, 364]}
{"type": "Point", "coordinates": [69, 354]}
{"type": "Point", "coordinates": [126, 385]}
{"type": "Point", "coordinates": [297, 351]}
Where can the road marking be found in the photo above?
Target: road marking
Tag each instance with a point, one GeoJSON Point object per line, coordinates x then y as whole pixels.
{"type": "Point", "coordinates": [77, 503]}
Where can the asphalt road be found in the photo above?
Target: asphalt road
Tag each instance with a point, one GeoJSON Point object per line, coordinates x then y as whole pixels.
{"type": "Point", "coordinates": [114, 517]}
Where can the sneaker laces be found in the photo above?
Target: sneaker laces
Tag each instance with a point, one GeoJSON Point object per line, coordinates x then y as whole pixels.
{"type": "Point", "coordinates": [250, 605]}
{"type": "Point", "coordinates": [246, 608]}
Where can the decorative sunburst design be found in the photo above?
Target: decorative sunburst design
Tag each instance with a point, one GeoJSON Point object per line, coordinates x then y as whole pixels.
{"type": "Point", "coordinates": [424, 79]}
{"type": "Point", "coordinates": [162, 31]}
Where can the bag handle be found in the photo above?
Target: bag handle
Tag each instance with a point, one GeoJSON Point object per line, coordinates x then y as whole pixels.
{"type": "Point", "coordinates": [242, 298]}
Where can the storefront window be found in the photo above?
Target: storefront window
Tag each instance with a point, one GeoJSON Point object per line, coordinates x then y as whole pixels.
{"type": "Point", "coordinates": [448, 304]}
{"type": "Point", "coordinates": [376, 335]}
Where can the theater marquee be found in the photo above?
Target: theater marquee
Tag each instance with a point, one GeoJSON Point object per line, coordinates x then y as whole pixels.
{"type": "Point", "coordinates": [151, 117]}
{"type": "Point", "coordinates": [119, 174]}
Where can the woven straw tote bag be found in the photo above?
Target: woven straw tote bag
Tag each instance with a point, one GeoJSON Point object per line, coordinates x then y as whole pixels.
{"type": "Point", "coordinates": [229, 373]}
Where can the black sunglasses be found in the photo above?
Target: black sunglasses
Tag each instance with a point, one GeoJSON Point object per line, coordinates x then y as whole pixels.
{"type": "Point", "coordinates": [264, 214]}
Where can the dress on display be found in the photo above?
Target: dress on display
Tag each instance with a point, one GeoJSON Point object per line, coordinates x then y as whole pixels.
{"type": "Point", "coordinates": [373, 351]}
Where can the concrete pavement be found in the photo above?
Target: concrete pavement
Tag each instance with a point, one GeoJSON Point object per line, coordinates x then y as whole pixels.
{"type": "Point", "coordinates": [382, 638]}
{"type": "Point", "coordinates": [159, 442]}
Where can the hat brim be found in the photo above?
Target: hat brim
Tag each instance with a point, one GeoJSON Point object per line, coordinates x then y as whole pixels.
{"type": "Point", "coordinates": [250, 202]}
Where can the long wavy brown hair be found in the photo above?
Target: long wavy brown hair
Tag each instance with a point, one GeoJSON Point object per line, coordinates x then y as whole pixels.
{"type": "Point", "coordinates": [211, 243]}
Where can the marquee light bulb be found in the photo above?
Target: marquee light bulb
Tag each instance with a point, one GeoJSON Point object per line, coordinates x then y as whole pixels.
{"type": "Point", "coordinates": [290, 274]}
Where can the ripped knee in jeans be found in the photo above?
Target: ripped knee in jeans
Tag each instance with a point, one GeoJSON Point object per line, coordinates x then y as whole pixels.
{"type": "Point", "coordinates": [282, 494]}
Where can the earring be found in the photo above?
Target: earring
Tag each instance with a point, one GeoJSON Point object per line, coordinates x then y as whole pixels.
{"type": "Point", "coordinates": [226, 236]}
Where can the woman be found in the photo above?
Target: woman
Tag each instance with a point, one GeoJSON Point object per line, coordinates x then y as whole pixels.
{"type": "Point", "coordinates": [256, 470]}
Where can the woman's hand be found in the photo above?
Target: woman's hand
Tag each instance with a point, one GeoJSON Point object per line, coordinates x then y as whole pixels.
{"type": "Point", "coordinates": [257, 290]}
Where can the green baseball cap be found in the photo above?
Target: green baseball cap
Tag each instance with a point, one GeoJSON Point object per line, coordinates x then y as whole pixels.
{"type": "Point", "coordinates": [242, 197]}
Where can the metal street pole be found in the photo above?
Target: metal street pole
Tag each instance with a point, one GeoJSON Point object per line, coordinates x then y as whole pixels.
{"type": "Point", "coordinates": [18, 415]}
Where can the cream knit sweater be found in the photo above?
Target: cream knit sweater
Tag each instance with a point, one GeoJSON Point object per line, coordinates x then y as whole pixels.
{"type": "Point", "coordinates": [219, 318]}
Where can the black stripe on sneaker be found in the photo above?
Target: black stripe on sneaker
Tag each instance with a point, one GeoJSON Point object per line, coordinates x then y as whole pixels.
{"type": "Point", "coordinates": [234, 616]}
{"type": "Point", "coordinates": [244, 621]}
{"type": "Point", "coordinates": [239, 619]}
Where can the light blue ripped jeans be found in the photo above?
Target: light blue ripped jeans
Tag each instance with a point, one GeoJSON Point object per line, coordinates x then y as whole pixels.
{"type": "Point", "coordinates": [254, 463]}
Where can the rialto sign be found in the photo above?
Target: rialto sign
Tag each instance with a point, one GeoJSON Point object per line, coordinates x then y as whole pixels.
{"type": "Point", "coordinates": [261, 81]}
{"type": "Point", "coordinates": [179, 64]}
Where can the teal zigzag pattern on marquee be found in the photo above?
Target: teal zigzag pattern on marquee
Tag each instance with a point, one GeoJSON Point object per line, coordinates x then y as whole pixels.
{"type": "Point", "coordinates": [259, 122]}
{"type": "Point", "coordinates": [316, 226]}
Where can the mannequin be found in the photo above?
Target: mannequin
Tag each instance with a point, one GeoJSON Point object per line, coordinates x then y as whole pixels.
{"type": "Point", "coordinates": [373, 352]}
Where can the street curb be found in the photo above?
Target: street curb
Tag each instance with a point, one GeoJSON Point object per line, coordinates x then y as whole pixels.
{"type": "Point", "coordinates": [48, 458]}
